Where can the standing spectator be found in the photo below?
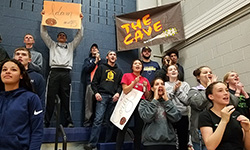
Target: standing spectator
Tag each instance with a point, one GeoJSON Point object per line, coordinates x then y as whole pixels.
{"type": "Point", "coordinates": [198, 103]}
{"type": "Point", "coordinates": [159, 113]}
{"type": "Point", "coordinates": [222, 127]}
{"type": "Point", "coordinates": [3, 54]}
{"type": "Point", "coordinates": [21, 110]}
{"type": "Point", "coordinates": [88, 70]}
{"type": "Point", "coordinates": [178, 93]}
{"type": "Point", "coordinates": [107, 89]}
{"type": "Point", "coordinates": [36, 63]}
{"type": "Point", "coordinates": [166, 61]}
{"type": "Point", "coordinates": [236, 88]}
{"type": "Point", "coordinates": [174, 56]}
{"type": "Point", "coordinates": [59, 80]}
{"type": "Point", "coordinates": [150, 67]}
{"type": "Point", "coordinates": [137, 81]}
{"type": "Point", "coordinates": [23, 55]}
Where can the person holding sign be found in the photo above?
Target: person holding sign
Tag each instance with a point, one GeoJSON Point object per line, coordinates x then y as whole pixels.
{"type": "Point", "coordinates": [59, 80]}
{"type": "Point", "coordinates": [159, 113]}
{"type": "Point", "coordinates": [107, 89]}
{"type": "Point", "coordinates": [130, 81]}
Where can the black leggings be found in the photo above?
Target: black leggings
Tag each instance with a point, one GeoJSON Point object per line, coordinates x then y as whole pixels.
{"type": "Point", "coordinates": [137, 132]}
{"type": "Point", "coordinates": [182, 132]}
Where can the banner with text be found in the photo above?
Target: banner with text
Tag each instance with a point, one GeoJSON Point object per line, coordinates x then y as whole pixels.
{"type": "Point", "coordinates": [125, 108]}
{"type": "Point", "coordinates": [150, 27]}
{"type": "Point", "coordinates": [62, 14]}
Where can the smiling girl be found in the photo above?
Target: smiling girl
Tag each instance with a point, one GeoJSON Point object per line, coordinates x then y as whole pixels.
{"type": "Point", "coordinates": [178, 93]}
{"type": "Point", "coordinates": [236, 88]}
{"type": "Point", "coordinates": [136, 81]}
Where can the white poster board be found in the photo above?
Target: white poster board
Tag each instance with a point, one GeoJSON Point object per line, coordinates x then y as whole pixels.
{"type": "Point", "coordinates": [125, 108]}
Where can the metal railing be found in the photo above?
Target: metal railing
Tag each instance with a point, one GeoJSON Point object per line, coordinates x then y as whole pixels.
{"type": "Point", "coordinates": [59, 128]}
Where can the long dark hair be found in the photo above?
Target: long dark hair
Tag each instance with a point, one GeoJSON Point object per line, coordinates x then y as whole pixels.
{"type": "Point", "coordinates": [141, 64]}
{"type": "Point", "coordinates": [24, 82]}
{"type": "Point", "coordinates": [151, 93]}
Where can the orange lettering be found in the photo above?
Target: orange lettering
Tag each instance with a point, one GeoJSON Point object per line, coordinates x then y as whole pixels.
{"type": "Point", "coordinates": [138, 34]}
{"type": "Point", "coordinates": [138, 24]}
{"type": "Point", "coordinates": [157, 26]}
{"type": "Point", "coordinates": [126, 41]}
{"type": "Point", "coordinates": [126, 27]}
{"type": "Point", "coordinates": [148, 32]}
{"type": "Point", "coordinates": [145, 20]}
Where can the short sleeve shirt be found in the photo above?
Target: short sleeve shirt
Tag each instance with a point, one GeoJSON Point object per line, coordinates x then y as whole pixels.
{"type": "Point", "coordinates": [233, 135]}
{"type": "Point", "coordinates": [127, 78]}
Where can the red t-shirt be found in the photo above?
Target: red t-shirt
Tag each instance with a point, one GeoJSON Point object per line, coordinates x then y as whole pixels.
{"type": "Point", "coordinates": [127, 78]}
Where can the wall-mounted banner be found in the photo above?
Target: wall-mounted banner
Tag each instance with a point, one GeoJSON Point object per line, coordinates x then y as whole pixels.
{"type": "Point", "coordinates": [150, 27]}
{"type": "Point", "coordinates": [61, 14]}
{"type": "Point", "coordinates": [125, 108]}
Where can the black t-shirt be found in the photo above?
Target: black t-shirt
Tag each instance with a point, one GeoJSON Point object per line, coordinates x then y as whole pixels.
{"type": "Point", "coordinates": [233, 135]}
{"type": "Point", "coordinates": [243, 106]}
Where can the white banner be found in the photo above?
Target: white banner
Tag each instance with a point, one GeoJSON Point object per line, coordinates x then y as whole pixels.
{"type": "Point", "coordinates": [125, 107]}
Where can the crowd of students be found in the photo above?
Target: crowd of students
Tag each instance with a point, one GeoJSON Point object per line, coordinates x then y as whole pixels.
{"type": "Point", "coordinates": [219, 110]}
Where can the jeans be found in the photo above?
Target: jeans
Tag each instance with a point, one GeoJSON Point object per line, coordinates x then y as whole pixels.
{"type": "Point", "coordinates": [104, 110]}
{"type": "Point", "coordinates": [197, 146]}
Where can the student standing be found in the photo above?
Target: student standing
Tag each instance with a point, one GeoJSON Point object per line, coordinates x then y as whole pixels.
{"type": "Point", "coordinates": [178, 93]}
{"type": "Point", "coordinates": [59, 79]}
{"type": "Point", "coordinates": [107, 89]}
{"type": "Point", "coordinates": [223, 128]}
{"type": "Point", "coordinates": [23, 55]}
{"type": "Point", "coordinates": [236, 88]}
{"type": "Point", "coordinates": [137, 81]}
{"type": "Point", "coordinates": [159, 113]}
{"type": "Point", "coordinates": [149, 66]}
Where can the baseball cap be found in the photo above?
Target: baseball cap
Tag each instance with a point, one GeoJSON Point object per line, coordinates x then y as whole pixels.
{"type": "Point", "coordinates": [94, 45]}
{"type": "Point", "coordinates": [146, 48]}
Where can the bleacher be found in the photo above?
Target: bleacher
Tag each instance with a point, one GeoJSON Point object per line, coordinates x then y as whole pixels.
{"type": "Point", "coordinates": [76, 138]}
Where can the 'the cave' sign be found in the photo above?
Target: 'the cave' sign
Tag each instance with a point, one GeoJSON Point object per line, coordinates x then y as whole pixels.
{"type": "Point", "coordinates": [150, 27]}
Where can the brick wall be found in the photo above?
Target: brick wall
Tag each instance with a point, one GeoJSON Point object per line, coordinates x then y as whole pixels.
{"type": "Point", "coordinates": [18, 17]}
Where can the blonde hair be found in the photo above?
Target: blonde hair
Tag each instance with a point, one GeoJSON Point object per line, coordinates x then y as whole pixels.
{"type": "Point", "coordinates": [226, 76]}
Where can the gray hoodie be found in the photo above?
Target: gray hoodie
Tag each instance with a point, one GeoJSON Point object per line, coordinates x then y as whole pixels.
{"type": "Point", "coordinates": [158, 117]}
{"type": "Point", "coordinates": [179, 98]}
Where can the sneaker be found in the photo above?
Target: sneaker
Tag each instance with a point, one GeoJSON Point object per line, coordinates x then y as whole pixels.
{"type": "Point", "coordinates": [89, 147]}
{"type": "Point", "coordinates": [70, 125]}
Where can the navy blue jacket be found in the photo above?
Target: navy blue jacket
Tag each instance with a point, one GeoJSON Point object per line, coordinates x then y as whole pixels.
{"type": "Point", "coordinates": [38, 84]}
{"type": "Point", "coordinates": [21, 120]}
{"type": "Point", "coordinates": [87, 68]}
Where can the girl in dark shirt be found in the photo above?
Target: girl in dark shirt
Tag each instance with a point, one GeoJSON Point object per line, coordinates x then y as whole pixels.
{"type": "Point", "coordinates": [220, 126]}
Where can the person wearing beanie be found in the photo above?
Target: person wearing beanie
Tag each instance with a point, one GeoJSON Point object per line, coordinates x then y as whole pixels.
{"type": "Point", "coordinates": [88, 70]}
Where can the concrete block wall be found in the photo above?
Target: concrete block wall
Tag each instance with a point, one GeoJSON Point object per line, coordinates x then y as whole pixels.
{"type": "Point", "coordinates": [18, 17]}
{"type": "Point", "coordinates": [224, 50]}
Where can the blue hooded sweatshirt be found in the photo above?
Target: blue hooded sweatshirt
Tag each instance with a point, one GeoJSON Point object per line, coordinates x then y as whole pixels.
{"type": "Point", "coordinates": [21, 120]}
